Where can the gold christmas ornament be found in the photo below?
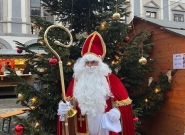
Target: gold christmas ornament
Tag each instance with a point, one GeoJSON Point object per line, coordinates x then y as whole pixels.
{"type": "Point", "coordinates": [20, 97]}
{"type": "Point", "coordinates": [142, 61]}
{"type": "Point", "coordinates": [116, 16]}
{"type": "Point", "coordinates": [41, 42]}
{"type": "Point", "coordinates": [103, 25]}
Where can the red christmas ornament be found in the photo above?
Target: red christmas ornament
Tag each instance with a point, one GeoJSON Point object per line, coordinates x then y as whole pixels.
{"type": "Point", "coordinates": [53, 61]}
{"type": "Point", "coordinates": [126, 39]}
{"type": "Point", "coordinates": [19, 50]}
{"type": "Point", "coordinates": [136, 119]}
{"type": "Point", "coordinates": [19, 129]}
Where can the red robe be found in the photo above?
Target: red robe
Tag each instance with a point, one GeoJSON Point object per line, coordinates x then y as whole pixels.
{"type": "Point", "coordinates": [121, 100]}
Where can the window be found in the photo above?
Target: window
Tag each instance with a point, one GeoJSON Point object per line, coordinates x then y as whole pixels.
{"type": "Point", "coordinates": [178, 17]}
{"type": "Point", "coordinates": [35, 7]}
{"type": "Point", "coordinates": [35, 10]}
{"type": "Point", "coordinates": [47, 16]}
{"type": "Point", "coordinates": [151, 14]}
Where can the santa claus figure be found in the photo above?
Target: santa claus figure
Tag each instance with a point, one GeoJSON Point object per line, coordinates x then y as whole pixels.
{"type": "Point", "coordinates": [101, 100]}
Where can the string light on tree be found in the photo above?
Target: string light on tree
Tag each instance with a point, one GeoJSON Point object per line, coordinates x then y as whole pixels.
{"type": "Point", "coordinates": [146, 100]}
{"type": "Point", "coordinates": [69, 24]}
{"type": "Point", "coordinates": [113, 62]}
{"type": "Point", "coordinates": [33, 100]}
{"type": "Point", "coordinates": [157, 90]}
{"type": "Point", "coordinates": [69, 63]}
{"type": "Point", "coordinates": [37, 124]}
{"type": "Point", "coordinates": [129, 27]}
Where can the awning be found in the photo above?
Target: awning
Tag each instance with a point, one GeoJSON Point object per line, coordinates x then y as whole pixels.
{"type": "Point", "coordinates": [12, 52]}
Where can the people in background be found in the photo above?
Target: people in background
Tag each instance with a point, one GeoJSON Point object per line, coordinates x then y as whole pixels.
{"type": "Point", "coordinates": [27, 68]}
{"type": "Point", "coordinates": [8, 65]}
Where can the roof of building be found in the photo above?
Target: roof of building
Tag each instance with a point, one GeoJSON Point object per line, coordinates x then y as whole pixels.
{"type": "Point", "coordinates": [172, 26]}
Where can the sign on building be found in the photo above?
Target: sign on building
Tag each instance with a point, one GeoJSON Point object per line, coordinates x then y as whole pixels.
{"type": "Point", "coordinates": [179, 61]}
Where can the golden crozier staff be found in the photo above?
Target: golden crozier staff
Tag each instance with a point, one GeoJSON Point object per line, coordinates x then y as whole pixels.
{"type": "Point", "coordinates": [60, 63]}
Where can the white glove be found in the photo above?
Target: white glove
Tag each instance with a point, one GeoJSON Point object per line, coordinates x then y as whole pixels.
{"type": "Point", "coordinates": [63, 108]}
{"type": "Point", "coordinates": [113, 115]}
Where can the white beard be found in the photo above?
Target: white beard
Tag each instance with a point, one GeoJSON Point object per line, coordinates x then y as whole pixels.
{"type": "Point", "coordinates": [92, 89]}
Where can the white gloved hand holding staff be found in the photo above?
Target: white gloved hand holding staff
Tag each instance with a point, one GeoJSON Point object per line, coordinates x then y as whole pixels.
{"type": "Point", "coordinates": [63, 109]}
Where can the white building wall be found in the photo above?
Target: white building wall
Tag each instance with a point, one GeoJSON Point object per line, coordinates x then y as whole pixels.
{"type": "Point", "coordinates": [15, 27]}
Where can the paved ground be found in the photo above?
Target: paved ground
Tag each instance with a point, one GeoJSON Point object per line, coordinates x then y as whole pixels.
{"type": "Point", "coordinates": [7, 104]}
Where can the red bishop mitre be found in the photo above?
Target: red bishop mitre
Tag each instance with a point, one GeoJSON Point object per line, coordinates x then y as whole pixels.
{"type": "Point", "coordinates": [94, 44]}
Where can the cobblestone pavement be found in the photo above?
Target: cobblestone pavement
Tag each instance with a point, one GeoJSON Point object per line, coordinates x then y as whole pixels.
{"type": "Point", "coordinates": [8, 104]}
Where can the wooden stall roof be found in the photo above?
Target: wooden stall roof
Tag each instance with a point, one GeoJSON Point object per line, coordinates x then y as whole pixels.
{"type": "Point", "coordinates": [171, 26]}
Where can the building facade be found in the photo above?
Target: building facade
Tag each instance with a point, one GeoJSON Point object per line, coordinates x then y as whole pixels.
{"type": "Point", "coordinates": [170, 10]}
{"type": "Point", "coordinates": [15, 22]}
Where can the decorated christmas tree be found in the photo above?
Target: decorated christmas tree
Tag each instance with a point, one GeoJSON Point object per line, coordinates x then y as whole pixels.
{"type": "Point", "coordinates": [128, 57]}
